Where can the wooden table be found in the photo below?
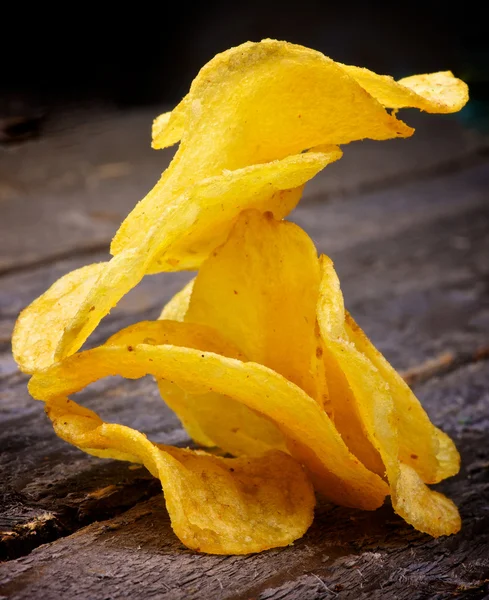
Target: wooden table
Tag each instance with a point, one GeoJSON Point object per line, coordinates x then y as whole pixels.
{"type": "Point", "coordinates": [407, 225]}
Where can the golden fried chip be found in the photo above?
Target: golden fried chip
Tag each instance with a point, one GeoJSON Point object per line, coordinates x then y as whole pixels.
{"type": "Point", "coordinates": [261, 289]}
{"type": "Point", "coordinates": [245, 108]}
{"type": "Point", "coordinates": [331, 318]}
{"type": "Point", "coordinates": [115, 279]}
{"type": "Point", "coordinates": [216, 505]}
{"type": "Point", "coordinates": [429, 451]}
{"type": "Point", "coordinates": [425, 509]}
{"type": "Point", "coordinates": [434, 92]}
{"type": "Point", "coordinates": [346, 417]}
{"type": "Point", "coordinates": [213, 419]}
{"type": "Point", "coordinates": [210, 419]}
{"type": "Point", "coordinates": [204, 210]}
{"type": "Point", "coordinates": [310, 435]}
{"type": "Point", "coordinates": [421, 445]}
{"type": "Point", "coordinates": [125, 270]}
{"type": "Point", "coordinates": [261, 102]}
{"type": "Point", "coordinates": [40, 326]}
{"type": "Point", "coordinates": [190, 335]}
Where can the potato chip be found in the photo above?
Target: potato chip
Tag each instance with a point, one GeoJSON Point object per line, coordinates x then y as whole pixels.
{"type": "Point", "coordinates": [310, 435]}
{"type": "Point", "coordinates": [215, 420]}
{"type": "Point", "coordinates": [421, 445]}
{"type": "Point", "coordinates": [434, 92]}
{"type": "Point", "coordinates": [217, 201]}
{"type": "Point", "coordinates": [419, 439]}
{"type": "Point", "coordinates": [270, 100]}
{"type": "Point", "coordinates": [239, 291]}
{"type": "Point", "coordinates": [425, 509]}
{"type": "Point", "coordinates": [119, 275]}
{"type": "Point", "coordinates": [261, 289]}
{"type": "Point", "coordinates": [216, 505]}
{"type": "Point", "coordinates": [40, 326]}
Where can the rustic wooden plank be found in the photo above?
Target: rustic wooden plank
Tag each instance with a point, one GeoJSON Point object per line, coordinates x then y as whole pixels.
{"type": "Point", "coordinates": [345, 554]}
{"type": "Point", "coordinates": [69, 190]}
{"type": "Point", "coordinates": [416, 292]}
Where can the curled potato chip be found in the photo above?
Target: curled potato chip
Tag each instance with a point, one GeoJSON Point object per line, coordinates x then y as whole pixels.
{"type": "Point", "coordinates": [216, 505]}
{"type": "Point", "coordinates": [261, 289]}
{"type": "Point", "coordinates": [276, 330]}
{"type": "Point", "coordinates": [425, 509]}
{"type": "Point", "coordinates": [213, 419]}
{"type": "Point", "coordinates": [421, 445]}
{"type": "Point", "coordinates": [261, 338]}
{"type": "Point", "coordinates": [429, 451]}
{"type": "Point", "coordinates": [270, 100]}
{"type": "Point", "coordinates": [215, 201]}
{"type": "Point", "coordinates": [309, 433]}
{"type": "Point", "coordinates": [40, 326]}
{"type": "Point", "coordinates": [434, 92]}
{"type": "Point", "coordinates": [125, 270]}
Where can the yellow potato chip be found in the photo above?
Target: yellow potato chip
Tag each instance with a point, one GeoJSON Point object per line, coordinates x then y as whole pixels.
{"type": "Point", "coordinates": [261, 289]}
{"type": "Point", "coordinates": [119, 275]}
{"type": "Point", "coordinates": [346, 417]}
{"type": "Point", "coordinates": [270, 100]}
{"type": "Point", "coordinates": [421, 445]}
{"type": "Point", "coordinates": [216, 505]}
{"type": "Point", "coordinates": [310, 435]}
{"type": "Point", "coordinates": [425, 509]}
{"type": "Point", "coordinates": [41, 325]}
{"type": "Point", "coordinates": [215, 202]}
{"type": "Point", "coordinates": [419, 439]}
{"type": "Point", "coordinates": [178, 333]}
{"type": "Point", "coordinates": [434, 92]}
{"type": "Point", "coordinates": [331, 318]}
{"type": "Point", "coordinates": [213, 419]}
{"type": "Point", "coordinates": [257, 355]}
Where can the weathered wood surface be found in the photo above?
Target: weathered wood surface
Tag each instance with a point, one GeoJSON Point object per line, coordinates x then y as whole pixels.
{"type": "Point", "coordinates": [413, 257]}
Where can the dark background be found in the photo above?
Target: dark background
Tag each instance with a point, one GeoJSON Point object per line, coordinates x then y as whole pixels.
{"type": "Point", "coordinates": [138, 53]}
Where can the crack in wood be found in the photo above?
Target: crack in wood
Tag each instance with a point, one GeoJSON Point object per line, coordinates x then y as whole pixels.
{"type": "Point", "coordinates": [443, 364]}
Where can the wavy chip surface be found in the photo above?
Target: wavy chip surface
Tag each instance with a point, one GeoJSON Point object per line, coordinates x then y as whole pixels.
{"type": "Point", "coordinates": [216, 505]}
